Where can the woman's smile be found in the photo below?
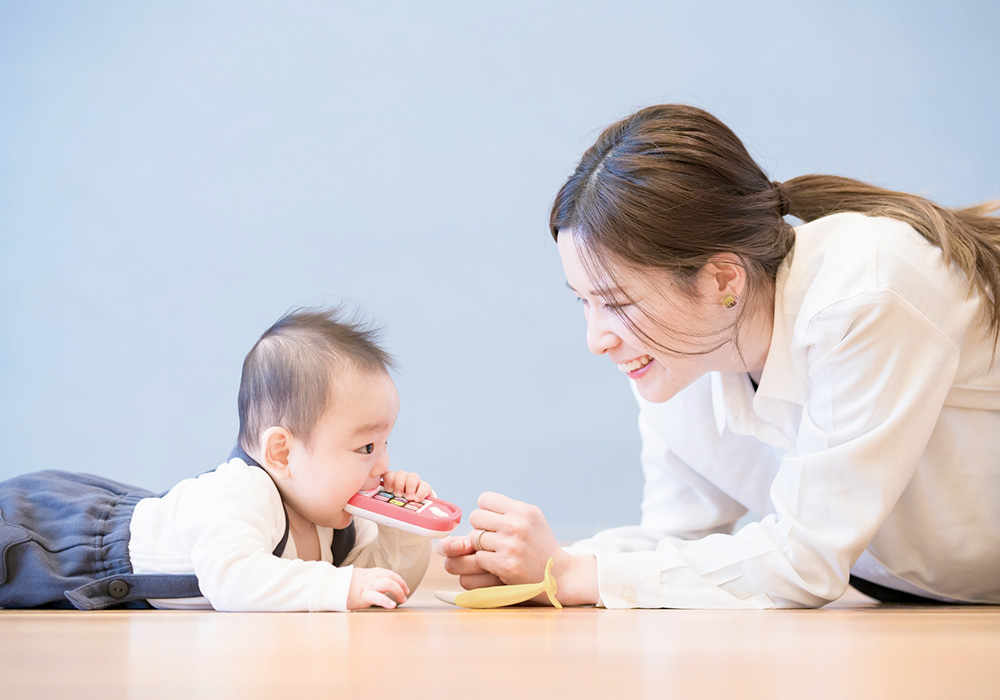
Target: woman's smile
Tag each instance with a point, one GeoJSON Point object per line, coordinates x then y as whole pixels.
{"type": "Point", "coordinates": [637, 367]}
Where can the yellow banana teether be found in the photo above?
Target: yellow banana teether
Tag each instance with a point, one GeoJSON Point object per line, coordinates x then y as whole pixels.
{"type": "Point", "coordinates": [499, 596]}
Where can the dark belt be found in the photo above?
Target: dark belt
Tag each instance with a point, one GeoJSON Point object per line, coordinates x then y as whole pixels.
{"type": "Point", "coordinates": [891, 595]}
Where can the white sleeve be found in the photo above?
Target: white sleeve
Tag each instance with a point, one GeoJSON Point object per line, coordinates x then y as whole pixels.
{"type": "Point", "coordinates": [230, 527]}
{"type": "Point", "coordinates": [388, 548]}
{"type": "Point", "coordinates": [676, 502]}
{"type": "Point", "coordinates": [879, 372]}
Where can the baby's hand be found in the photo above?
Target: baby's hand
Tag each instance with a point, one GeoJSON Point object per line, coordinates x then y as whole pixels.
{"type": "Point", "coordinates": [406, 484]}
{"type": "Point", "coordinates": [374, 586]}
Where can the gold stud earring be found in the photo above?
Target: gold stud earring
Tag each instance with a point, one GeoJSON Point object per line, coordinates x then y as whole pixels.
{"type": "Point", "coordinates": [729, 301]}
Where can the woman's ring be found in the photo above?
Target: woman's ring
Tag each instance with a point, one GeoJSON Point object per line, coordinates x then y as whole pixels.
{"type": "Point", "coordinates": [477, 543]}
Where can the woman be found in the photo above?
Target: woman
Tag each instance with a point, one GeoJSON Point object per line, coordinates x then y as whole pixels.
{"type": "Point", "coordinates": [837, 378]}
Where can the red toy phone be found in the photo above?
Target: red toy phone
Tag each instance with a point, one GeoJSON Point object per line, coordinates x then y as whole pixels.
{"type": "Point", "coordinates": [430, 517]}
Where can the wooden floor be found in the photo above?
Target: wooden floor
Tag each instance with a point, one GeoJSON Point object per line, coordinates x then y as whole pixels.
{"type": "Point", "coordinates": [853, 648]}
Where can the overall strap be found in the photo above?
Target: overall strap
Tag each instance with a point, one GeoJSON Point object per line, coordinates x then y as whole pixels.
{"type": "Point", "coordinates": [343, 540]}
{"type": "Point", "coordinates": [343, 543]}
{"type": "Point", "coordinates": [239, 452]}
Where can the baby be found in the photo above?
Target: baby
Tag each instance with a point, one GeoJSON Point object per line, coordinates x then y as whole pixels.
{"type": "Point", "coordinates": [265, 531]}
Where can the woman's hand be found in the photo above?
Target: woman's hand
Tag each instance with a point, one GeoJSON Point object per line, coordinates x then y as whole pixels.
{"type": "Point", "coordinates": [460, 560]}
{"type": "Point", "coordinates": [374, 587]}
{"type": "Point", "coordinates": [511, 544]}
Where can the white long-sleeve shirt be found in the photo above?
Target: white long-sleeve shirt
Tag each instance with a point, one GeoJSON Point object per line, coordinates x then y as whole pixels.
{"type": "Point", "coordinates": [871, 446]}
{"type": "Point", "coordinates": [223, 527]}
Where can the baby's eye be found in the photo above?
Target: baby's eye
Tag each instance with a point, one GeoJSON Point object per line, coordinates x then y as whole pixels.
{"type": "Point", "coordinates": [367, 449]}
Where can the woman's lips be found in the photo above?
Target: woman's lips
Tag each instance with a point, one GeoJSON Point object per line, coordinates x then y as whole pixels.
{"type": "Point", "coordinates": [635, 367]}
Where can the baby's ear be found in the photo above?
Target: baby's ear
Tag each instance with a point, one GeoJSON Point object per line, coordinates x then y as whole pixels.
{"type": "Point", "coordinates": [275, 445]}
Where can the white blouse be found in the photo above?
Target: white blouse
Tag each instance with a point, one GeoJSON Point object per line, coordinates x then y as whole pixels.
{"type": "Point", "coordinates": [223, 527]}
{"type": "Point", "coordinates": [871, 446]}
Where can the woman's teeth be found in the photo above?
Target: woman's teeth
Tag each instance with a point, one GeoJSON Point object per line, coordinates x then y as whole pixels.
{"type": "Point", "coordinates": [634, 364]}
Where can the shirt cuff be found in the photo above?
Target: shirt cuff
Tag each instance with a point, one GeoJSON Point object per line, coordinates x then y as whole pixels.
{"type": "Point", "coordinates": [663, 580]}
{"type": "Point", "coordinates": [628, 580]}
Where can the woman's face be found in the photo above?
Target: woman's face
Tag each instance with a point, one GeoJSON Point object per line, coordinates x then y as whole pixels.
{"type": "Point", "coordinates": [654, 304]}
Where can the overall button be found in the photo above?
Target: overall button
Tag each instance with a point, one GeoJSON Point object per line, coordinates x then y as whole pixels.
{"type": "Point", "coordinates": [118, 589]}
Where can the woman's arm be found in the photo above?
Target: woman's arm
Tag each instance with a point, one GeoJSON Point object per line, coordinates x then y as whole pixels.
{"type": "Point", "coordinates": [676, 501]}
{"type": "Point", "coordinates": [878, 373]}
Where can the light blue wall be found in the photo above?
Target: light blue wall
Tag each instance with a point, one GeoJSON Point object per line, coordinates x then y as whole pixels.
{"type": "Point", "coordinates": [175, 175]}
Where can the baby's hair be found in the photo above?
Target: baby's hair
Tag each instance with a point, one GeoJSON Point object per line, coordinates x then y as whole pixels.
{"type": "Point", "coordinates": [289, 373]}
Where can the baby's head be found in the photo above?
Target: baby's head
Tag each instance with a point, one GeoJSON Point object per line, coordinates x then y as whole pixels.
{"type": "Point", "coordinates": [290, 375]}
{"type": "Point", "coordinates": [316, 408]}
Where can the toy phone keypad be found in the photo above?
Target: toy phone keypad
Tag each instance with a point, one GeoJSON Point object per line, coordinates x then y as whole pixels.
{"type": "Point", "coordinates": [430, 517]}
{"type": "Point", "coordinates": [401, 501]}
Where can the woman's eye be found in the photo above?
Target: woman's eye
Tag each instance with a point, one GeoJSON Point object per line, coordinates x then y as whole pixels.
{"type": "Point", "coordinates": [610, 306]}
{"type": "Point", "coordinates": [367, 449]}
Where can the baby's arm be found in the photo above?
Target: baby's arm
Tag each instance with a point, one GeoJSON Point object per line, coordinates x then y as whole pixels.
{"type": "Point", "coordinates": [229, 521]}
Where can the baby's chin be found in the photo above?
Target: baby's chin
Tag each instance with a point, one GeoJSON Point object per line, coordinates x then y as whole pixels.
{"type": "Point", "coordinates": [342, 521]}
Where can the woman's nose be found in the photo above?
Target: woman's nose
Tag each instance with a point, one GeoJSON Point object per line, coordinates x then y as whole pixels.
{"type": "Point", "coordinates": [600, 334]}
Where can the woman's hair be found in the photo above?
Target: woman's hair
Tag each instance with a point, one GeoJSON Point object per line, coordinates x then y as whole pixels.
{"type": "Point", "coordinates": [670, 187]}
{"type": "Point", "coordinates": [289, 374]}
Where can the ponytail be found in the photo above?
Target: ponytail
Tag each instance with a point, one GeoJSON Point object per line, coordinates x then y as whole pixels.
{"type": "Point", "coordinates": [968, 237]}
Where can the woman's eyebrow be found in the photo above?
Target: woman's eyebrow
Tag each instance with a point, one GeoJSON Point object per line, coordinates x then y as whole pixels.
{"type": "Point", "coordinates": [600, 291]}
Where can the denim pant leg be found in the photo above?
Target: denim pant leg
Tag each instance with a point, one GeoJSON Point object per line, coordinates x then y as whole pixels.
{"type": "Point", "coordinates": [60, 531]}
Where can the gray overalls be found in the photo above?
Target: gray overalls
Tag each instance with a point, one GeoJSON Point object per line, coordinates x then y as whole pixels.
{"type": "Point", "coordinates": [64, 543]}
